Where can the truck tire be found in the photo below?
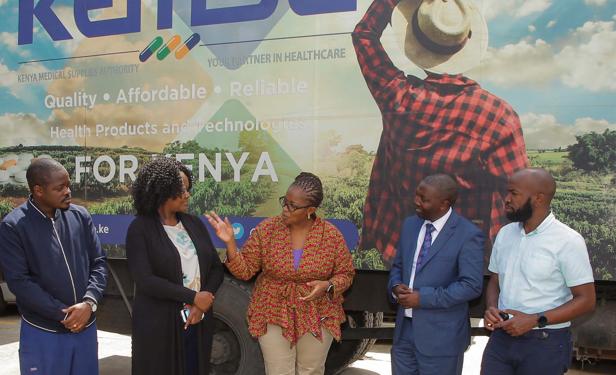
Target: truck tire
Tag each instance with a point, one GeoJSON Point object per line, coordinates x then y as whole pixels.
{"type": "Point", "coordinates": [342, 354]}
{"type": "Point", "coordinates": [234, 351]}
{"type": "Point", "coordinates": [377, 321]}
{"type": "Point", "coordinates": [2, 303]}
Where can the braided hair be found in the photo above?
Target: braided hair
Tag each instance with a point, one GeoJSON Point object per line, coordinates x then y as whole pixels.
{"type": "Point", "coordinates": [158, 181]}
{"type": "Point", "coordinates": [312, 187]}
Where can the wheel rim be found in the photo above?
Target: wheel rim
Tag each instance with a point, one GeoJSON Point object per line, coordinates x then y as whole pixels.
{"type": "Point", "coordinates": [228, 348]}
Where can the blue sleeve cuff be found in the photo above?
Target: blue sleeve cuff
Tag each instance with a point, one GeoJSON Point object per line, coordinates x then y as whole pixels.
{"type": "Point", "coordinates": [60, 316]}
{"type": "Point", "coordinates": [91, 296]}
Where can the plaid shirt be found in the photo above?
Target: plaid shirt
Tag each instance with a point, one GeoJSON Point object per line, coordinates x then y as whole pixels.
{"type": "Point", "coordinates": [443, 124]}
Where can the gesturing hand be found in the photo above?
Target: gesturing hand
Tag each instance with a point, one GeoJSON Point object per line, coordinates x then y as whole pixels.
{"type": "Point", "coordinates": [224, 229]}
{"type": "Point", "coordinates": [320, 287]}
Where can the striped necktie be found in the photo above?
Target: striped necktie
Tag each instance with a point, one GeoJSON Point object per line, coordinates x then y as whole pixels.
{"type": "Point", "coordinates": [426, 244]}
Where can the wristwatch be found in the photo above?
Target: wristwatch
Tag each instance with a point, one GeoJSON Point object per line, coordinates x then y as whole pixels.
{"type": "Point", "coordinates": [331, 287]}
{"type": "Point", "coordinates": [542, 321]}
{"type": "Point", "coordinates": [92, 304]}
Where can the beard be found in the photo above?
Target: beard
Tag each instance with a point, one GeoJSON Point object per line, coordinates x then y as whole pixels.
{"type": "Point", "coordinates": [521, 214]}
{"type": "Point", "coordinates": [64, 209]}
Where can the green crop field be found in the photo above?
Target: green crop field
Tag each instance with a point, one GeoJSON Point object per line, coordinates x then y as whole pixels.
{"type": "Point", "coordinates": [547, 157]}
{"type": "Point", "coordinates": [585, 201]}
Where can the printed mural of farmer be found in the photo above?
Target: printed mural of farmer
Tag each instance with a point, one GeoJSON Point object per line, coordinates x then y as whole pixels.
{"type": "Point", "coordinates": [445, 123]}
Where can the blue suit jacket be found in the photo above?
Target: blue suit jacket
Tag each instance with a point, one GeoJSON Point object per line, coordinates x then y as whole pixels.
{"type": "Point", "coordinates": [451, 275]}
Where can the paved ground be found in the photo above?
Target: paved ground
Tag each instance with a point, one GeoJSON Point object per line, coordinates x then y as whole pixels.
{"type": "Point", "coordinates": [114, 354]}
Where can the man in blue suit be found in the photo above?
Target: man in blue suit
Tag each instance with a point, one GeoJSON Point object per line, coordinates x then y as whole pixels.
{"type": "Point", "coordinates": [437, 270]}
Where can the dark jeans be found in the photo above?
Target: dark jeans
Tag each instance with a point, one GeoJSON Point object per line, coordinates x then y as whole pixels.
{"type": "Point", "coordinates": [538, 352]}
{"type": "Point", "coordinates": [190, 344]}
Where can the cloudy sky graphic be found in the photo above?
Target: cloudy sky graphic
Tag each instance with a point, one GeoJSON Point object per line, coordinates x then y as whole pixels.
{"type": "Point", "coordinates": [554, 61]}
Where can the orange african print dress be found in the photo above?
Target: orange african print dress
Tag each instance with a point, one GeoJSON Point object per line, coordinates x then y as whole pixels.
{"type": "Point", "coordinates": [275, 299]}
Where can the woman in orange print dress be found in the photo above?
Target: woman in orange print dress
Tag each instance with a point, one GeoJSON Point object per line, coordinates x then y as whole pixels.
{"type": "Point", "coordinates": [296, 307]}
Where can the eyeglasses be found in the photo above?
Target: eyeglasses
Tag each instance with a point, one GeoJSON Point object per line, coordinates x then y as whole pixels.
{"type": "Point", "coordinates": [184, 190]}
{"type": "Point", "coordinates": [290, 206]}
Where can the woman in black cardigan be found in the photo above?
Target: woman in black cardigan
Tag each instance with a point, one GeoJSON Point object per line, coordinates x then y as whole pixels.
{"type": "Point", "coordinates": [175, 266]}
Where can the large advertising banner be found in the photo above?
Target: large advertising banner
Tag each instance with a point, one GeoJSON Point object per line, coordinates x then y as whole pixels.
{"type": "Point", "coordinates": [249, 93]}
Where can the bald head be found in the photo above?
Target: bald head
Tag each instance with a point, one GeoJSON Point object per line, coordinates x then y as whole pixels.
{"type": "Point", "coordinates": [533, 181]}
{"type": "Point", "coordinates": [445, 185]}
{"type": "Point", "coordinates": [39, 172]}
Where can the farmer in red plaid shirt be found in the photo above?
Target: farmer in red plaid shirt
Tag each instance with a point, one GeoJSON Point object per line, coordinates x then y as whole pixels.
{"type": "Point", "coordinates": [445, 123]}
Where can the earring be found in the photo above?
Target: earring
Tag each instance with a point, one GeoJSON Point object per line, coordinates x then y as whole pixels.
{"type": "Point", "coordinates": [308, 215]}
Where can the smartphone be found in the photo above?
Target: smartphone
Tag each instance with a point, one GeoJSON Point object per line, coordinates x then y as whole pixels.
{"type": "Point", "coordinates": [186, 312]}
{"type": "Point", "coordinates": [504, 315]}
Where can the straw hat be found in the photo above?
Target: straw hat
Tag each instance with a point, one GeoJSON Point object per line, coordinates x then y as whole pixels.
{"type": "Point", "coordinates": [441, 36]}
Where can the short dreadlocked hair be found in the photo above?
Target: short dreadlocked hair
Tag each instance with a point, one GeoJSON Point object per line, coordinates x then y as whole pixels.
{"type": "Point", "coordinates": [312, 187]}
{"type": "Point", "coordinates": [157, 181]}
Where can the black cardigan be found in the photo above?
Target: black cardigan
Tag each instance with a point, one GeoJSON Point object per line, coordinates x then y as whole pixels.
{"type": "Point", "coordinates": [158, 329]}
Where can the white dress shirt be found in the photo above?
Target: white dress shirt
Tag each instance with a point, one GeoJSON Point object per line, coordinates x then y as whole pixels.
{"type": "Point", "coordinates": [438, 227]}
{"type": "Point", "coordinates": [536, 270]}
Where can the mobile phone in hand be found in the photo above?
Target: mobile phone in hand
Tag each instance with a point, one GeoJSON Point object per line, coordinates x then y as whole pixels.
{"type": "Point", "coordinates": [186, 312]}
{"type": "Point", "coordinates": [504, 315]}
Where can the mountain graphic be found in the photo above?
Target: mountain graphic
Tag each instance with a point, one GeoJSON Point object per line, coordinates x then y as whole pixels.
{"type": "Point", "coordinates": [255, 141]}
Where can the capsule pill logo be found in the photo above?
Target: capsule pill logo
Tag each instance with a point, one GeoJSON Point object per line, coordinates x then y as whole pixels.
{"type": "Point", "coordinates": [161, 50]}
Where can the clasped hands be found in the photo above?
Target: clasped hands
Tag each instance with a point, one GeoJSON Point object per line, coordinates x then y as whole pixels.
{"type": "Point", "coordinates": [516, 326]}
{"type": "Point", "coordinates": [202, 303]}
{"type": "Point", "coordinates": [406, 297]}
{"type": "Point", "coordinates": [78, 317]}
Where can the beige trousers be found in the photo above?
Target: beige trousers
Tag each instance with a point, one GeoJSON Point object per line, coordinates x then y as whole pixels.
{"type": "Point", "coordinates": [306, 358]}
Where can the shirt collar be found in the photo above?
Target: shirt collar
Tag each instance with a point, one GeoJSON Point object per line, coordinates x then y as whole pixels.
{"type": "Point", "coordinates": [543, 226]}
{"type": "Point", "coordinates": [450, 79]}
{"type": "Point", "coordinates": [440, 223]}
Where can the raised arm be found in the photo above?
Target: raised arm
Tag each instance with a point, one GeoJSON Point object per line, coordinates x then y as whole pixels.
{"type": "Point", "coordinates": [242, 265]}
{"type": "Point", "coordinates": [247, 262]}
{"type": "Point", "coordinates": [384, 80]}
{"type": "Point", "coordinates": [216, 274]}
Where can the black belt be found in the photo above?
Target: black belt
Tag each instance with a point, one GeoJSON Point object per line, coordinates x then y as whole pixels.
{"type": "Point", "coordinates": [543, 333]}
